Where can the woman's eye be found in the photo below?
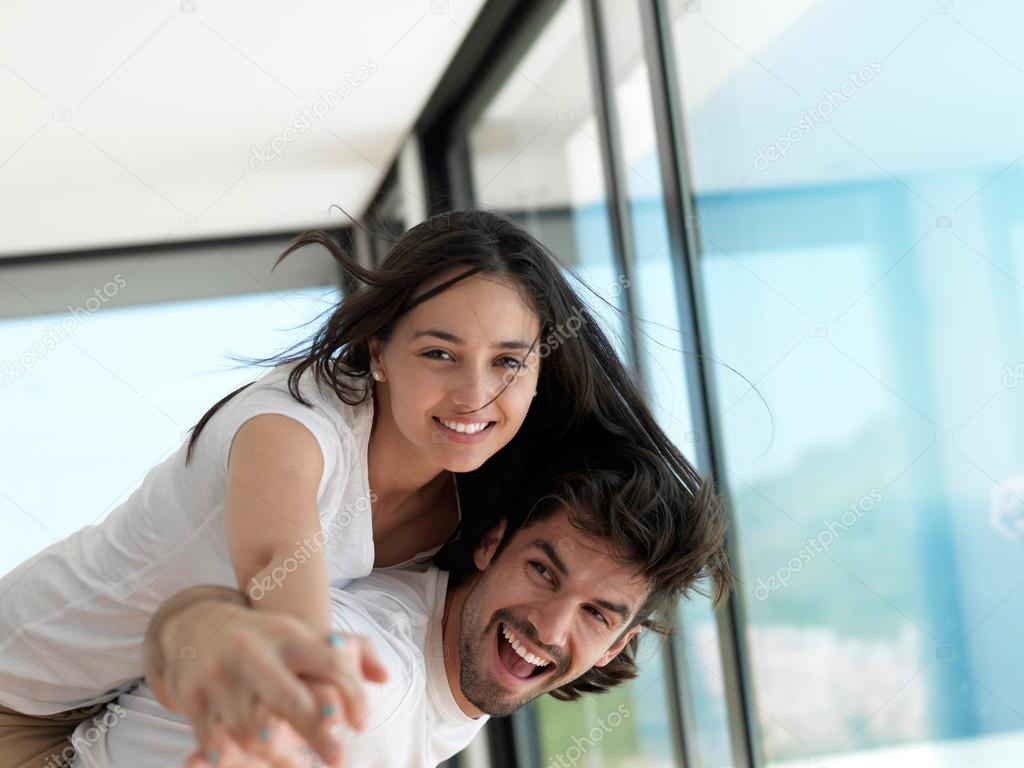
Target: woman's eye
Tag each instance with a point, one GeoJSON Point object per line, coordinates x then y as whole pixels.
{"type": "Point", "coordinates": [437, 354]}
{"type": "Point", "coordinates": [512, 363]}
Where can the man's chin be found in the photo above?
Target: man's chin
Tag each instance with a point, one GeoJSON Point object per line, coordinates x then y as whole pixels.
{"type": "Point", "coordinates": [496, 699]}
{"type": "Point", "coordinates": [499, 704]}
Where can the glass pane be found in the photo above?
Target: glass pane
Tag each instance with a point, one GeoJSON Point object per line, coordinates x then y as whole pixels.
{"type": "Point", "coordinates": [86, 417]}
{"type": "Point", "coordinates": [863, 266]}
{"type": "Point", "coordinates": [535, 156]}
{"type": "Point", "coordinates": [627, 727]}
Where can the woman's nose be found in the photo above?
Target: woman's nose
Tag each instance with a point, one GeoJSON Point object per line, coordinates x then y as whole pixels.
{"type": "Point", "coordinates": [474, 388]}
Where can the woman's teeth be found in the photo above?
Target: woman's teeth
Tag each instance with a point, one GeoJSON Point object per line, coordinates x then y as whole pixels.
{"type": "Point", "coordinates": [469, 429]}
{"type": "Point", "coordinates": [537, 661]}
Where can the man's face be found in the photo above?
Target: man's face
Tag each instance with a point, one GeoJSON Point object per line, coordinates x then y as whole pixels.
{"type": "Point", "coordinates": [555, 603]}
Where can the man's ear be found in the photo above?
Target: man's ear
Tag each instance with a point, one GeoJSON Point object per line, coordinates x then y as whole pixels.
{"type": "Point", "coordinates": [616, 649]}
{"type": "Point", "coordinates": [488, 545]}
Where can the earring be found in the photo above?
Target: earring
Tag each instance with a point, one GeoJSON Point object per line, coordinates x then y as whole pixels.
{"type": "Point", "coordinates": [535, 393]}
{"type": "Point", "coordinates": [378, 375]}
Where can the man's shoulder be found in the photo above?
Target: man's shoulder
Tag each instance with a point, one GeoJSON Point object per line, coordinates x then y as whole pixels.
{"type": "Point", "coordinates": [392, 593]}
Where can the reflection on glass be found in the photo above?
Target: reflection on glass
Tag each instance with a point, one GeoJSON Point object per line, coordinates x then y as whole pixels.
{"type": "Point", "coordinates": [92, 414]}
{"type": "Point", "coordinates": [861, 264]}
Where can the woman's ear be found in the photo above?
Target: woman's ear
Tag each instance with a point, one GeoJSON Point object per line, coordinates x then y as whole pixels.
{"type": "Point", "coordinates": [488, 546]}
{"type": "Point", "coordinates": [375, 346]}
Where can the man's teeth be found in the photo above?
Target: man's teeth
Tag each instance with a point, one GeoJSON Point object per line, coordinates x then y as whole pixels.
{"type": "Point", "coordinates": [469, 429]}
{"type": "Point", "coordinates": [537, 661]}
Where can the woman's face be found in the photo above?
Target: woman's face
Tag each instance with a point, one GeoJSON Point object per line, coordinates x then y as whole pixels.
{"type": "Point", "coordinates": [447, 359]}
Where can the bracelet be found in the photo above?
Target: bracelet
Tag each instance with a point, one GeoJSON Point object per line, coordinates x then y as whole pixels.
{"type": "Point", "coordinates": [152, 646]}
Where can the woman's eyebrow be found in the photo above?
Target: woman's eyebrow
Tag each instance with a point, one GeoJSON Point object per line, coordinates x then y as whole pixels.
{"type": "Point", "coordinates": [453, 339]}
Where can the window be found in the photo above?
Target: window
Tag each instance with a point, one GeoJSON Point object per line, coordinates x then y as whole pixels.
{"type": "Point", "coordinates": [861, 267]}
{"type": "Point", "coordinates": [94, 398]}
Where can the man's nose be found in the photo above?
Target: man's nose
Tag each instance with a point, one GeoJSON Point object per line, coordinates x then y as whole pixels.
{"type": "Point", "coordinates": [552, 622]}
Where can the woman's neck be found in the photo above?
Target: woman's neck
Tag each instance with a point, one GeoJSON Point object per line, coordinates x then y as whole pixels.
{"type": "Point", "coordinates": [397, 469]}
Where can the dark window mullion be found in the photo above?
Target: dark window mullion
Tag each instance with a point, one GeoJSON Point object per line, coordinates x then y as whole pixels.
{"type": "Point", "coordinates": [615, 186]}
{"type": "Point", "coordinates": [623, 237]}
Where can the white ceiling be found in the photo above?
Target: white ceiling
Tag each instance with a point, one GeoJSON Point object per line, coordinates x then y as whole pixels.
{"type": "Point", "coordinates": [128, 123]}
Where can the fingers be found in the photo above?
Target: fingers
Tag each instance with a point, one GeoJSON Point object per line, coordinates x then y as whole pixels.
{"type": "Point", "coordinates": [221, 752]}
{"type": "Point", "coordinates": [291, 698]}
{"type": "Point", "coordinates": [373, 669]}
{"type": "Point", "coordinates": [347, 663]}
{"type": "Point", "coordinates": [231, 756]}
{"type": "Point", "coordinates": [277, 746]}
{"type": "Point", "coordinates": [284, 748]}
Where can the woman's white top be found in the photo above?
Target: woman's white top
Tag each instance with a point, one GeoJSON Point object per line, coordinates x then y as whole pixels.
{"type": "Point", "coordinates": [73, 617]}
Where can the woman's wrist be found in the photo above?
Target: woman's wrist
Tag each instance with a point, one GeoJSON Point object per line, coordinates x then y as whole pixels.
{"type": "Point", "coordinates": [175, 632]}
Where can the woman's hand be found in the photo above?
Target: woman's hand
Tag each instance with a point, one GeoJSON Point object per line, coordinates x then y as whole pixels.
{"type": "Point", "coordinates": [232, 670]}
{"type": "Point", "coordinates": [278, 746]}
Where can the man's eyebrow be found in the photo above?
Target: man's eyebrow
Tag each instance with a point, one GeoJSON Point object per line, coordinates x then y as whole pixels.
{"type": "Point", "coordinates": [618, 608]}
{"type": "Point", "coordinates": [453, 339]}
{"type": "Point", "coordinates": [546, 547]}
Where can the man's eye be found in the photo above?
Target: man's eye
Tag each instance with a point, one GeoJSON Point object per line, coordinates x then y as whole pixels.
{"type": "Point", "coordinates": [541, 569]}
{"type": "Point", "coordinates": [437, 354]}
{"type": "Point", "coordinates": [600, 616]}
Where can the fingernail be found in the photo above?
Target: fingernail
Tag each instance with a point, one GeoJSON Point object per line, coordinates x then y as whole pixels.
{"type": "Point", "coordinates": [264, 734]}
{"type": "Point", "coordinates": [214, 756]}
{"type": "Point", "coordinates": [335, 640]}
{"type": "Point", "coordinates": [327, 711]}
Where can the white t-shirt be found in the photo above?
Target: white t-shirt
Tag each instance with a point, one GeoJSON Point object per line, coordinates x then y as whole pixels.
{"type": "Point", "coordinates": [414, 719]}
{"type": "Point", "coordinates": [72, 618]}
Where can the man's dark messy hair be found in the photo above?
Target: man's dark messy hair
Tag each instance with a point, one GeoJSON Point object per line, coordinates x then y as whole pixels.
{"type": "Point", "coordinates": [614, 489]}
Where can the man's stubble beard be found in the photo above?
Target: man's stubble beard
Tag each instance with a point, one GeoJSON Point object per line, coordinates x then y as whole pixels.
{"type": "Point", "coordinates": [477, 685]}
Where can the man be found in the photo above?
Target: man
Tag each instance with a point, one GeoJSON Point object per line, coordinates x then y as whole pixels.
{"type": "Point", "coordinates": [551, 603]}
